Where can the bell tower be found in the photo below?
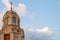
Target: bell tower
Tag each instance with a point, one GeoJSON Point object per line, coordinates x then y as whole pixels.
{"type": "Point", "coordinates": [11, 29]}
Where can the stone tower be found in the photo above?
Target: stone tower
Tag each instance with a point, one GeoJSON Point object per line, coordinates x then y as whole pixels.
{"type": "Point", "coordinates": [11, 27]}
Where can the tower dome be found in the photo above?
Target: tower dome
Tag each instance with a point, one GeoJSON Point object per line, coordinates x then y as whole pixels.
{"type": "Point", "coordinates": [10, 18]}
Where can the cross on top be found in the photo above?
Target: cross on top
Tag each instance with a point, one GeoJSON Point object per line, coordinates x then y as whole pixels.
{"type": "Point", "coordinates": [11, 5]}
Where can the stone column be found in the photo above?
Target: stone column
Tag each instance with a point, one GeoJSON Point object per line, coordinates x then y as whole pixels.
{"type": "Point", "coordinates": [19, 36]}
{"type": "Point", "coordinates": [12, 36]}
{"type": "Point", "coordinates": [2, 37]}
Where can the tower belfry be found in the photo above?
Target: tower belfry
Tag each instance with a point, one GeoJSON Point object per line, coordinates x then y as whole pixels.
{"type": "Point", "coordinates": [11, 29]}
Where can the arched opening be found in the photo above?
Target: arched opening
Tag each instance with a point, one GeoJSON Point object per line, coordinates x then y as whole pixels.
{"type": "Point", "coordinates": [8, 21]}
{"type": "Point", "coordinates": [14, 21]}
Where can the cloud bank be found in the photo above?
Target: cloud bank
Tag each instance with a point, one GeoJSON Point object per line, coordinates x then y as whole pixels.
{"type": "Point", "coordinates": [39, 34]}
{"type": "Point", "coordinates": [1, 21]}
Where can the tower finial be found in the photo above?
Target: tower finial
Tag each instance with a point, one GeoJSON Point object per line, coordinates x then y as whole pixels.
{"type": "Point", "coordinates": [11, 5]}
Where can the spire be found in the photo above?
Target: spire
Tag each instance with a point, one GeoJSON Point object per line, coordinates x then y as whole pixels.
{"type": "Point", "coordinates": [11, 5]}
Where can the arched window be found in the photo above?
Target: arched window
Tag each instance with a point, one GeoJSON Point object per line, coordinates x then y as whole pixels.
{"type": "Point", "coordinates": [14, 21]}
{"type": "Point", "coordinates": [8, 21]}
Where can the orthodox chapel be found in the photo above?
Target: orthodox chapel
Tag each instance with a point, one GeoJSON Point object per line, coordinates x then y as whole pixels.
{"type": "Point", "coordinates": [11, 29]}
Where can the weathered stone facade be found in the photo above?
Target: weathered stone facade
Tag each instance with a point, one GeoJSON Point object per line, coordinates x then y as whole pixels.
{"type": "Point", "coordinates": [11, 27]}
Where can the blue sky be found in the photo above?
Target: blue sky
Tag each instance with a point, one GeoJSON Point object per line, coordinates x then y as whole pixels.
{"type": "Point", "coordinates": [40, 14]}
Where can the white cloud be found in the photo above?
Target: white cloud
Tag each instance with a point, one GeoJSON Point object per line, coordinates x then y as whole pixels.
{"type": "Point", "coordinates": [45, 30]}
{"type": "Point", "coordinates": [7, 4]}
{"type": "Point", "coordinates": [1, 19]}
{"type": "Point", "coordinates": [21, 9]}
